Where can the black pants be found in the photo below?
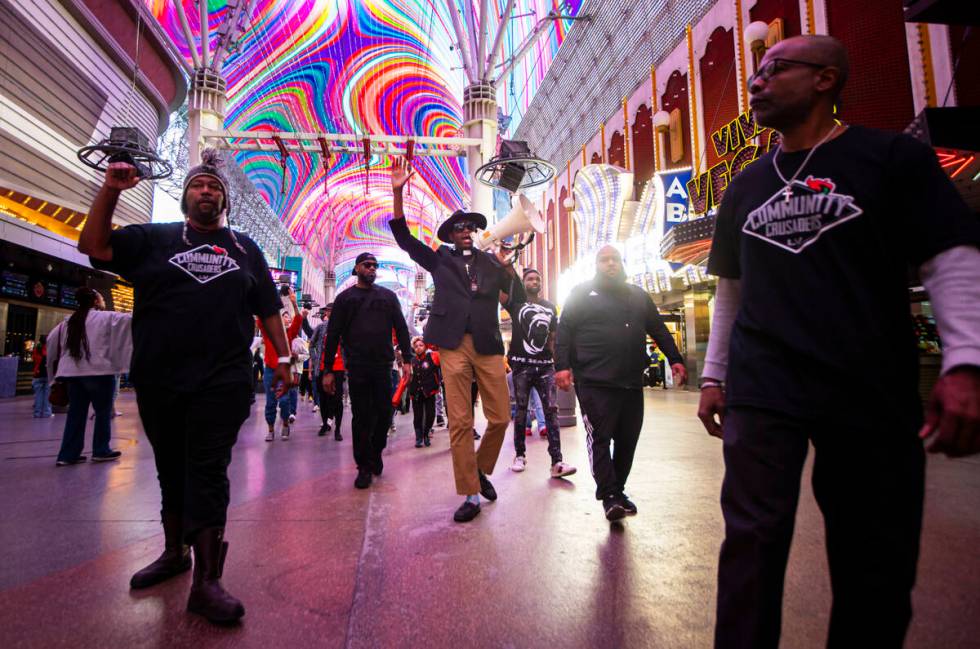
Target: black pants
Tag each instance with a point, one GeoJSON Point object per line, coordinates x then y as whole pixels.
{"type": "Point", "coordinates": [424, 409]}
{"type": "Point", "coordinates": [371, 412]}
{"type": "Point", "coordinates": [611, 415]}
{"type": "Point", "coordinates": [868, 481]}
{"type": "Point", "coordinates": [192, 434]}
{"type": "Point", "coordinates": [332, 405]}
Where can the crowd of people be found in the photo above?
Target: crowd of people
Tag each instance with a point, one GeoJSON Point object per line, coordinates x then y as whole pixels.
{"type": "Point", "coordinates": [791, 317]}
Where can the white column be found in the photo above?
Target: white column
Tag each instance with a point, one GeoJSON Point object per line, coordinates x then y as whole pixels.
{"type": "Point", "coordinates": [480, 121]}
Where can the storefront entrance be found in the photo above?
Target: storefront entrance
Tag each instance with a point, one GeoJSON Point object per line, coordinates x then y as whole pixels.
{"type": "Point", "coordinates": [21, 328]}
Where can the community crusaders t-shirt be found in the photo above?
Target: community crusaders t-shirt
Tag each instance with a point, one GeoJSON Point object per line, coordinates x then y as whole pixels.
{"type": "Point", "coordinates": [531, 324]}
{"type": "Point", "coordinates": [193, 305]}
{"type": "Point", "coordinates": [824, 324]}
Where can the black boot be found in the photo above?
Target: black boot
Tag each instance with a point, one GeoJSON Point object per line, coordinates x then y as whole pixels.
{"type": "Point", "coordinates": [176, 557]}
{"type": "Point", "coordinates": [208, 596]}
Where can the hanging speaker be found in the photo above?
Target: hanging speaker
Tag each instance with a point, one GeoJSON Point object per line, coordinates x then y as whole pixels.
{"type": "Point", "coordinates": [126, 144]}
{"type": "Point", "coordinates": [516, 168]}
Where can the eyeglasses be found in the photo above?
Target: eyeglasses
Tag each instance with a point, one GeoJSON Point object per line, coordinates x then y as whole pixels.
{"type": "Point", "coordinates": [775, 66]}
{"type": "Point", "coordinates": [464, 226]}
{"type": "Point", "coordinates": [369, 264]}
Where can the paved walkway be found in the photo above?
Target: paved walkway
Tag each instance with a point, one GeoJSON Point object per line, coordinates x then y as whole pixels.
{"type": "Point", "coordinates": [318, 563]}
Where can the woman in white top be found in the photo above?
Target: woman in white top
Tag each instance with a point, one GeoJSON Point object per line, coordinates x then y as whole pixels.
{"type": "Point", "coordinates": [87, 351]}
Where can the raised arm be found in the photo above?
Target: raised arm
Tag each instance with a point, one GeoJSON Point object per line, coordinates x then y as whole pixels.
{"type": "Point", "coordinates": [94, 238]}
{"type": "Point", "coordinates": [420, 253]}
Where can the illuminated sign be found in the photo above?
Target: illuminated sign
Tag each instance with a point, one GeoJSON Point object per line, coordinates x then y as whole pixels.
{"type": "Point", "coordinates": [672, 186]}
{"type": "Point", "coordinates": [734, 138]}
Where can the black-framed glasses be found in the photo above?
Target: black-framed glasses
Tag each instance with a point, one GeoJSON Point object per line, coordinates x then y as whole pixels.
{"type": "Point", "coordinates": [775, 66]}
{"type": "Point", "coordinates": [464, 226]}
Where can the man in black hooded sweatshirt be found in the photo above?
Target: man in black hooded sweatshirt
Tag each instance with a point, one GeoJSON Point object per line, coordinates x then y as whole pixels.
{"type": "Point", "coordinates": [602, 339]}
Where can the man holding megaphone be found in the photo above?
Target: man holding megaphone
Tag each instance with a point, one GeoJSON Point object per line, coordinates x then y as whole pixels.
{"type": "Point", "coordinates": [464, 323]}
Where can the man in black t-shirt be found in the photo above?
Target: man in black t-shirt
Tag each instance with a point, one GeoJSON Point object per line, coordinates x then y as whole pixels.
{"type": "Point", "coordinates": [812, 341]}
{"type": "Point", "coordinates": [196, 287]}
{"type": "Point", "coordinates": [362, 320]}
{"type": "Point", "coordinates": [532, 346]}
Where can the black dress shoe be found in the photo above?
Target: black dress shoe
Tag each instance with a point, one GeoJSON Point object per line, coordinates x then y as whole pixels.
{"type": "Point", "coordinates": [337, 436]}
{"type": "Point", "coordinates": [466, 512]}
{"type": "Point", "coordinates": [628, 505]}
{"type": "Point", "coordinates": [363, 480]}
{"type": "Point", "coordinates": [613, 506]}
{"type": "Point", "coordinates": [486, 489]}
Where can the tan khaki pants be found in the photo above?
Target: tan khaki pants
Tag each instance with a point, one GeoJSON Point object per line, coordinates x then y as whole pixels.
{"type": "Point", "coordinates": [458, 369]}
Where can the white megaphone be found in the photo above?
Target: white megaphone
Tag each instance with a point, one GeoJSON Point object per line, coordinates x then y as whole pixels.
{"type": "Point", "coordinates": [523, 219]}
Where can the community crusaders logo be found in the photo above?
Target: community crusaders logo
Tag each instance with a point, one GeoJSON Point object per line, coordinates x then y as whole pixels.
{"type": "Point", "coordinates": [205, 263]}
{"type": "Point", "coordinates": [793, 220]}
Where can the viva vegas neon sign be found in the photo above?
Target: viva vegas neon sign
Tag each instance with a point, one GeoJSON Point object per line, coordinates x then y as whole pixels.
{"type": "Point", "coordinates": [707, 189]}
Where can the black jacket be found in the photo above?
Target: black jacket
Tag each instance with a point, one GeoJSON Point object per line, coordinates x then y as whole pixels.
{"type": "Point", "coordinates": [454, 303]}
{"type": "Point", "coordinates": [602, 335]}
{"type": "Point", "coordinates": [362, 320]}
{"type": "Point", "coordinates": [426, 376]}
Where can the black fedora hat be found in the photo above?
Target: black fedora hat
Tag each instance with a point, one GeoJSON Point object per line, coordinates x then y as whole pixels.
{"type": "Point", "coordinates": [445, 231]}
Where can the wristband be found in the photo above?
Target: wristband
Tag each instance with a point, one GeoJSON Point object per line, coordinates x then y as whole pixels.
{"type": "Point", "coordinates": [285, 360]}
{"type": "Point", "coordinates": [711, 384]}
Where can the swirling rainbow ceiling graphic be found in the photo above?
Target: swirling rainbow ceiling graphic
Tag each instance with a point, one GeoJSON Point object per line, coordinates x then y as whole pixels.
{"type": "Point", "coordinates": [367, 67]}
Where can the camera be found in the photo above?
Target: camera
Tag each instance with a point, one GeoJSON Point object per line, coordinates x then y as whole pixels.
{"type": "Point", "coordinates": [284, 290]}
{"type": "Point", "coordinates": [307, 302]}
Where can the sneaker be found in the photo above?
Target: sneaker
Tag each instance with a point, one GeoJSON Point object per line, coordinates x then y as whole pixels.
{"type": "Point", "coordinates": [316, 409]}
{"type": "Point", "coordinates": [543, 431]}
{"type": "Point", "coordinates": [285, 433]}
{"type": "Point", "coordinates": [528, 432]}
{"type": "Point", "coordinates": [323, 431]}
{"type": "Point", "coordinates": [77, 460]}
{"type": "Point", "coordinates": [418, 443]}
{"type": "Point", "coordinates": [108, 457]}
{"type": "Point", "coordinates": [486, 488]}
{"type": "Point", "coordinates": [613, 506]}
{"type": "Point", "coordinates": [466, 512]}
{"type": "Point", "coordinates": [338, 437]}
{"type": "Point", "coordinates": [363, 480]}
{"type": "Point", "coordinates": [427, 441]}
{"type": "Point", "coordinates": [271, 435]}
{"type": "Point", "coordinates": [628, 505]}
{"type": "Point", "coordinates": [292, 419]}
{"type": "Point", "coordinates": [520, 463]}
{"type": "Point", "coordinates": [560, 470]}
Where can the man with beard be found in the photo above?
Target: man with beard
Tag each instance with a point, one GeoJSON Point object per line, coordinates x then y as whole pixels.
{"type": "Point", "coordinates": [197, 285]}
{"type": "Point", "coordinates": [362, 320]}
{"type": "Point", "coordinates": [602, 341]}
{"type": "Point", "coordinates": [812, 249]}
{"type": "Point", "coordinates": [464, 324]}
{"type": "Point", "coordinates": [531, 356]}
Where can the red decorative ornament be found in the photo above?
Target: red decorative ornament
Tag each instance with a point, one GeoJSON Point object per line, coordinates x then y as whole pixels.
{"type": "Point", "coordinates": [367, 165]}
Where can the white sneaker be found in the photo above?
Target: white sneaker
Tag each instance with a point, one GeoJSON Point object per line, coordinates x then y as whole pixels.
{"type": "Point", "coordinates": [285, 433]}
{"type": "Point", "coordinates": [271, 435]}
{"type": "Point", "coordinates": [316, 409]}
{"type": "Point", "coordinates": [520, 463]}
{"type": "Point", "coordinates": [560, 470]}
{"type": "Point", "coordinates": [292, 419]}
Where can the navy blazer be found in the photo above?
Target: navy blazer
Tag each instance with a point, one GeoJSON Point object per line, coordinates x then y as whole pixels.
{"type": "Point", "coordinates": [454, 302]}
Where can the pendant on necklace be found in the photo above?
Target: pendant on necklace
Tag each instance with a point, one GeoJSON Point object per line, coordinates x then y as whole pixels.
{"type": "Point", "coordinates": [787, 194]}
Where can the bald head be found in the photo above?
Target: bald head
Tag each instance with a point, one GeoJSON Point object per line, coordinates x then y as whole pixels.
{"type": "Point", "coordinates": [609, 265]}
{"type": "Point", "coordinates": [796, 77]}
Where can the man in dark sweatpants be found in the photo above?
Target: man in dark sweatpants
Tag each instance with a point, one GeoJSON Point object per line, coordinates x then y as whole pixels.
{"type": "Point", "coordinates": [602, 338]}
{"type": "Point", "coordinates": [363, 318]}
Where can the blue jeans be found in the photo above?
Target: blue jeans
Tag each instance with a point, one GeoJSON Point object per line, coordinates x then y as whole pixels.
{"type": "Point", "coordinates": [271, 401]}
{"type": "Point", "coordinates": [293, 400]}
{"type": "Point", "coordinates": [42, 408]}
{"type": "Point", "coordinates": [82, 391]}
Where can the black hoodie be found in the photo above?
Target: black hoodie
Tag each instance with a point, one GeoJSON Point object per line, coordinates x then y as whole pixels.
{"type": "Point", "coordinates": [602, 335]}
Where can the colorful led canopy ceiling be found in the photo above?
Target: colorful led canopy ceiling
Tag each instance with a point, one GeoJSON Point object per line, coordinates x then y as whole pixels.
{"type": "Point", "coordinates": [382, 67]}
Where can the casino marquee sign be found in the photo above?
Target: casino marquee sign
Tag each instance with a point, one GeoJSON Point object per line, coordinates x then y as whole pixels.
{"type": "Point", "coordinates": [690, 241]}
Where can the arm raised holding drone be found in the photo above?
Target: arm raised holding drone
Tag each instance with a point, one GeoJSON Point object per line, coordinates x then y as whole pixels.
{"type": "Point", "coordinates": [94, 238]}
